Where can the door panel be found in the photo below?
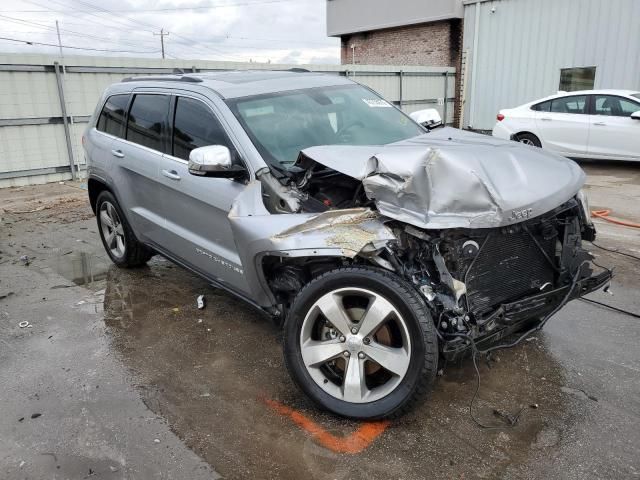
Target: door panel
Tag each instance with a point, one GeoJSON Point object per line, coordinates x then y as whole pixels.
{"type": "Point", "coordinates": [138, 159]}
{"type": "Point", "coordinates": [196, 209]}
{"type": "Point", "coordinates": [565, 127]}
{"type": "Point", "coordinates": [197, 229]}
{"type": "Point", "coordinates": [614, 134]}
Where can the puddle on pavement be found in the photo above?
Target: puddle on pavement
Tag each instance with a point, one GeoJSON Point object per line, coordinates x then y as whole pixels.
{"type": "Point", "coordinates": [82, 268]}
{"type": "Point", "coordinates": [208, 372]}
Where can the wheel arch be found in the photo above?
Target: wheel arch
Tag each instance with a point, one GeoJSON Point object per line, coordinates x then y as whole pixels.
{"type": "Point", "coordinates": [95, 187]}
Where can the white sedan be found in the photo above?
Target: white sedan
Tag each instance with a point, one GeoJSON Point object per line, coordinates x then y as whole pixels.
{"type": "Point", "coordinates": [597, 124]}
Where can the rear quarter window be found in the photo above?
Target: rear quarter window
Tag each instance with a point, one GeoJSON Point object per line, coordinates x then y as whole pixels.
{"type": "Point", "coordinates": [111, 118]}
{"type": "Point", "coordinates": [542, 107]}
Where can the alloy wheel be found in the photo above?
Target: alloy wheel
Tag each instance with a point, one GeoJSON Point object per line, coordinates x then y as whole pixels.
{"type": "Point", "coordinates": [355, 345]}
{"type": "Point", "coordinates": [112, 229]}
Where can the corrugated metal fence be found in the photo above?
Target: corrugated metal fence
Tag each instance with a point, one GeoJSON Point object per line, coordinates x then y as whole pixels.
{"type": "Point", "coordinates": [44, 108]}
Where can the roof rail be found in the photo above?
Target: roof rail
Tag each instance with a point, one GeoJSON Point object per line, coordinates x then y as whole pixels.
{"type": "Point", "coordinates": [164, 78]}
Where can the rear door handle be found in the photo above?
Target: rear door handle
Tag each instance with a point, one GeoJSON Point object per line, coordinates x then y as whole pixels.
{"type": "Point", "coordinates": [600, 124]}
{"type": "Point", "coordinates": [117, 153]}
{"type": "Point", "coordinates": [172, 174]}
{"type": "Point", "coordinates": [546, 119]}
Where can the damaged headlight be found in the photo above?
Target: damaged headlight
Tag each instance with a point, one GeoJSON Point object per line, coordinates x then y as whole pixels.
{"type": "Point", "coordinates": [584, 203]}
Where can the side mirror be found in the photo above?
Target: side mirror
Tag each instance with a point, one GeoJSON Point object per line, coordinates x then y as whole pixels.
{"type": "Point", "coordinates": [428, 118]}
{"type": "Point", "coordinates": [214, 161]}
{"type": "Point", "coordinates": [636, 115]}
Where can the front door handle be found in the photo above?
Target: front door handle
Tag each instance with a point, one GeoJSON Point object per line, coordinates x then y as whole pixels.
{"type": "Point", "coordinates": [600, 124]}
{"type": "Point", "coordinates": [172, 174]}
{"type": "Point", "coordinates": [117, 153]}
{"type": "Point", "coordinates": [546, 119]}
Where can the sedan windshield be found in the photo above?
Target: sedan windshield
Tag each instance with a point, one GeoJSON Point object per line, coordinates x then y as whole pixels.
{"type": "Point", "coordinates": [282, 124]}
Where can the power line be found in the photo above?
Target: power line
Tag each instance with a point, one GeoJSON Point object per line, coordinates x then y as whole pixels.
{"type": "Point", "coordinates": [155, 27]}
{"type": "Point", "coordinates": [28, 42]}
{"type": "Point", "coordinates": [52, 31]}
{"type": "Point", "coordinates": [159, 10]}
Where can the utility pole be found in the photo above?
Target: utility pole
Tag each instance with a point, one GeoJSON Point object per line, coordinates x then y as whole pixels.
{"type": "Point", "coordinates": [162, 34]}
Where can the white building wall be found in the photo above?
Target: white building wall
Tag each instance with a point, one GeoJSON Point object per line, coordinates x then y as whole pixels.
{"type": "Point", "coordinates": [523, 44]}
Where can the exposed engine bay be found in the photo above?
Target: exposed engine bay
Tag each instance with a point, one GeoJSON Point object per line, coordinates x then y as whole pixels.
{"type": "Point", "coordinates": [480, 283]}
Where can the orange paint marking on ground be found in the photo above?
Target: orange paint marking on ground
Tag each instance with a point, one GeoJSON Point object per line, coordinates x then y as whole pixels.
{"type": "Point", "coordinates": [354, 443]}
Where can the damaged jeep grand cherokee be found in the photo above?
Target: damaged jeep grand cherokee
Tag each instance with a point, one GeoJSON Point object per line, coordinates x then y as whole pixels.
{"type": "Point", "coordinates": [379, 246]}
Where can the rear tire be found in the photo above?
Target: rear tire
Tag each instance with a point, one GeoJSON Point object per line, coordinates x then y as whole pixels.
{"type": "Point", "coordinates": [529, 139]}
{"type": "Point", "coordinates": [118, 239]}
{"type": "Point", "coordinates": [380, 371]}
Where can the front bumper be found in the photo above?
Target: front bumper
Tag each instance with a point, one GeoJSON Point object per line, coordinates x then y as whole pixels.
{"type": "Point", "coordinates": [514, 316]}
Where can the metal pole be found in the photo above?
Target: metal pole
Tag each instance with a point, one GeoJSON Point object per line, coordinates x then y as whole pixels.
{"type": "Point", "coordinates": [65, 119]}
{"type": "Point", "coordinates": [446, 88]}
{"type": "Point", "coordinates": [474, 66]}
{"type": "Point", "coordinates": [400, 77]}
{"type": "Point", "coordinates": [64, 70]}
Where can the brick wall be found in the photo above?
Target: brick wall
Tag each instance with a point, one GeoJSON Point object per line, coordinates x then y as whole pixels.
{"type": "Point", "coordinates": [434, 44]}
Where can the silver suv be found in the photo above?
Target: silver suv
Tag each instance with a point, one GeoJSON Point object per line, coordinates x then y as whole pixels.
{"type": "Point", "coordinates": [381, 247]}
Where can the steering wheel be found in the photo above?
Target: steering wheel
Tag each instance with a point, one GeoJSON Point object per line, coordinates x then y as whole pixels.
{"type": "Point", "coordinates": [345, 128]}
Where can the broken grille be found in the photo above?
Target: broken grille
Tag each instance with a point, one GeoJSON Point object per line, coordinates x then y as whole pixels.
{"type": "Point", "coordinates": [509, 266]}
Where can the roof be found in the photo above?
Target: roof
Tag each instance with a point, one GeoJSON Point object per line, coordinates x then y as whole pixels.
{"type": "Point", "coordinates": [345, 17]}
{"type": "Point", "coordinates": [244, 83]}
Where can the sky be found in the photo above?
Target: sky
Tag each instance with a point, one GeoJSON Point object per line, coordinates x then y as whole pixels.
{"type": "Point", "coordinates": [276, 31]}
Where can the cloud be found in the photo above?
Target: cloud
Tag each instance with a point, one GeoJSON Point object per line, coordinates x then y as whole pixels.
{"type": "Point", "coordinates": [283, 31]}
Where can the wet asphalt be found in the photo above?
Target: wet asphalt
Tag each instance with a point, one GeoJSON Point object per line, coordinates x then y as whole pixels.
{"type": "Point", "coordinates": [131, 380]}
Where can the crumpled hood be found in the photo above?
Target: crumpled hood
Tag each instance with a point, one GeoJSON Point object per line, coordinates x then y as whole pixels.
{"type": "Point", "coordinates": [449, 178]}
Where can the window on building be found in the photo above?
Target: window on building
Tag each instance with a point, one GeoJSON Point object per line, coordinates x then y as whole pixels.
{"type": "Point", "coordinates": [146, 118]}
{"type": "Point", "coordinates": [195, 126]}
{"type": "Point", "coordinates": [572, 79]}
{"type": "Point", "coordinates": [614, 106]}
{"type": "Point", "coordinates": [111, 118]}
{"type": "Point", "coordinates": [576, 104]}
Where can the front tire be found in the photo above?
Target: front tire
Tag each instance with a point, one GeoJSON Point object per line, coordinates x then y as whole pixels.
{"type": "Point", "coordinates": [117, 237]}
{"type": "Point", "coordinates": [361, 343]}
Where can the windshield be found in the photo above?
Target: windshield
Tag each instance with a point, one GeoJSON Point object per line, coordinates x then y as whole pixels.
{"type": "Point", "coordinates": [282, 124]}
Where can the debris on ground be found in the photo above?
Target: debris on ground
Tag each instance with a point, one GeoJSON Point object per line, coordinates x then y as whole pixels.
{"type": "Point", "coordinates": [25, 260]}
{"type": "Point", "coordinates": [24, 324]}
{"type": "Point", "coordinates": [201, 302]}
{"type": "Point", "coordinates": [36, 415]}
{"type": "Point", "coordinates": [5, 295]}
{"type": "Point", "coordinates": [156, 440]}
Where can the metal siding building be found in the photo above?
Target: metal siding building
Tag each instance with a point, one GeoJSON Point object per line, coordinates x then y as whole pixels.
{"type": "Point", "coordinates": [349, 16]}
{"type": "Point", "coordinates": [521, 46]}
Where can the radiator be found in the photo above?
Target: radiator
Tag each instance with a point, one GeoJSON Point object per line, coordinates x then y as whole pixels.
{"type": "Point", "coordinates": [508, 266]}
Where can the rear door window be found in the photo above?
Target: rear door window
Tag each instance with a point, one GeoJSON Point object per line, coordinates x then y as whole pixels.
{"type": "Point", "coordinates": [613, 106]}
{"type": "Point", "coordinates": [111, 118]}
{"type": "Point", "coordinates": [147, 120]}
{"type": "Point", "coordinates": [195, 126]}
{"type": "Point", "coordinates": [576, 104]}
